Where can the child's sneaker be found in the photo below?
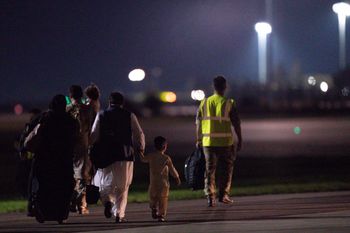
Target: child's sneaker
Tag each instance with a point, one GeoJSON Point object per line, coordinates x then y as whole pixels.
{"type": "Point", "coordinates": [84, 211]}
{"type": "Point", "coordinates": [161, 219]}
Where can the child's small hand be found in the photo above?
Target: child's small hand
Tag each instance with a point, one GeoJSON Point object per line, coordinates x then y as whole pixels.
{"type": "Point", "coordinates": [141, 153]}
{"type": "Point", "coordinates": [178, 181]}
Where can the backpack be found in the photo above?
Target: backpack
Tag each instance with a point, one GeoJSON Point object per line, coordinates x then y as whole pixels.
{"type": "Point", "coordinates": [195, 169]}
{"type": "Point", "coordinates": [83, 113]}
{"type": "Point", "coordinates": [22, 150]}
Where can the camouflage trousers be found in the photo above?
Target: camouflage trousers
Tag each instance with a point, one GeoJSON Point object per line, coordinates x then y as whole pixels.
{"type": "Point", "coordinates": [218, 160]}
{"type": "Point", "coordinates": [78, 199]}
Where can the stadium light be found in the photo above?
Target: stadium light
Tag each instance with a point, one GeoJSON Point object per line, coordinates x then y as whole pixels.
{"type": "Point", "coordinates": [342, 9]}
{"type": "Point", "coordinates": [263, 29]}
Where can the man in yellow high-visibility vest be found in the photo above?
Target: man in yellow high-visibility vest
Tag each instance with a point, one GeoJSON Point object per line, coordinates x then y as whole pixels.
{"type": "Point", "coordinates": [215, 117]}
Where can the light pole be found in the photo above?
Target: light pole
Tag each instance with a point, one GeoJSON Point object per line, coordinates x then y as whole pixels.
{"type": "Point", "coordinates": [263, 29]}
{"type": "Point", "coordinates": [343, 10]}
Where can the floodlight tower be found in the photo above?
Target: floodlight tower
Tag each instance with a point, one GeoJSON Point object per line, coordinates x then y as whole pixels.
{"type": "Point", "coordinates": [342, 9]}
{"type": "Point", "coordinates": [263, 29]}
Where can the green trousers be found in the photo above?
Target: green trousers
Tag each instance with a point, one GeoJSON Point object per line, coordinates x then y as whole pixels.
{"type": "Point", "coordinates": [220, 161]}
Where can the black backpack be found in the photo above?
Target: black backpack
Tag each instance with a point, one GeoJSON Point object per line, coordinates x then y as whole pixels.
{"type": "Point", "coordinates": [22, 151]}
{"type": "Point", "coordinates": [195, 169]}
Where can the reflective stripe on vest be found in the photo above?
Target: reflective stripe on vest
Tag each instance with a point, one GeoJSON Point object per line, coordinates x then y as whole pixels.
{"type": "Point", "coordinates": [217, 135]}
{"type": "Point", "coordinates": [215, 121]}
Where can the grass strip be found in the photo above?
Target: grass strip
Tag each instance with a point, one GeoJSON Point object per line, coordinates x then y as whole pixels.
{"type": "Point", "coordinates": [8, 206]}
{"type": "Point", "coordinates": [139, 196]}
{"type": "Point", "coordinates": [186, 194]}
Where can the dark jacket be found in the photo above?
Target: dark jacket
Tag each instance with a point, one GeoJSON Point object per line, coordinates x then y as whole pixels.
{"type": "Point", "coordinates": [116, 133]}
{"type": "Point", "coordinates": [59, 133]}
{"type": "Point", "coordinates": [52, 172]}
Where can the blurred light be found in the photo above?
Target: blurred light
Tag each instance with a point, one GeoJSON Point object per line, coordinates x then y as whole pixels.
{"type": "Point", "coordinates": [324, 87]}
{"type": "Point", "coordinates": [275, 86]}
{"type": "Point", "coordinates": [85, 100]}
{"type": "Point", "coordinates": [345, 91]}
{"type": "Point", "coordinates": [137, 75]}
{"type": "Point", "coordinates": [68, 101]}
{"type": "Point", "coordinates": [263, 28]}
{"type": "Point", "coordinates": [18, 109]}
{"type": "Point", "coordinates": [341, 8]}
{"type": "Point", "coordinates": [168, 97]}
{"type": "Point", "coordinates": [311, 81]}
{"type": "Point", "coordinates": [297, 130]}
{"type": "Point", "coordinates": [157, 72]}
{"type": "Point", "coordinates": [197, 95]}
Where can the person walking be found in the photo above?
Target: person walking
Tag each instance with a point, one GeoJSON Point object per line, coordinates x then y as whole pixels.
{"type": "Point", "coordinates": [160, 165]}
{"type": "Point", "coordinates": [82, 165]}
{"type": "Point", "coordinates": [119, 130]}
{"type": "Point", "coordinates": [93, 94]}
{"type": "Point", "coordinates": [53, 141]}
{"type": "Point", "coordinates": [25, 157]}
{"type": "Point", "coordinates": [215, 116]}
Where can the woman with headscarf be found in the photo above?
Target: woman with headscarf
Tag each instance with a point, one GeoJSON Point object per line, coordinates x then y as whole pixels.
{"type": "Point", "coordinates": [52, 176]}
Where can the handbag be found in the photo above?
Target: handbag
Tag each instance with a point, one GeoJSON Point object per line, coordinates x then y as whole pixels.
{"type": "Point", "coordinates": [195, 169]}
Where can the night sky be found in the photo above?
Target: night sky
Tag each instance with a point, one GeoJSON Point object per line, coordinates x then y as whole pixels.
{"type": "Point", "coordinates": [45, 46]}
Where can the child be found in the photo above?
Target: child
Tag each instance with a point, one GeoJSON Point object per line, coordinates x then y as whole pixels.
{"type": "Point", "coordinates": [160, 165]}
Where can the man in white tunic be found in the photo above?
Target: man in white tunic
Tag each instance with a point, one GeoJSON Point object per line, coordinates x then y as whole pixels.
{"type": "Point", "coordinates": [120, 130]}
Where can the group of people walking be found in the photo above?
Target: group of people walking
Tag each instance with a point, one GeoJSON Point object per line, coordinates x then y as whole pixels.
{"type": "Point", "coordinates": [62, 167]}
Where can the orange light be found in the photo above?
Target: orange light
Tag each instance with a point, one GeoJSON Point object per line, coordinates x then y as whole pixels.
{"type": "Point", "coordinates": [168, 97]}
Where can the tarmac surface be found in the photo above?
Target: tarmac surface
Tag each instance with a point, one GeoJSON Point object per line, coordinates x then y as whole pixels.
{"type": "Point", "coordinates": [309, 212]}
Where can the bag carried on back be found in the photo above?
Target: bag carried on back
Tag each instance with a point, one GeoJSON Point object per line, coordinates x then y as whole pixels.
{"type": "Point", "coordinates": [195, 169]}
